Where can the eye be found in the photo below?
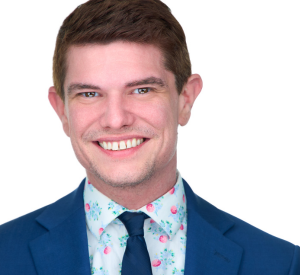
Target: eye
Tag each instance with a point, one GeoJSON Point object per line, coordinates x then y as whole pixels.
{"type": "Point", "coordinates": [90, 94]}
{"type": "Point", "coordinates": [141, 90]}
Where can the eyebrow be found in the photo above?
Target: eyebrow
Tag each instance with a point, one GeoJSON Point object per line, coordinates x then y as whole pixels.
{"type": "Point", "coordinates": [81, 86]}
{"type": "Point", "coordinates": [147, 81]}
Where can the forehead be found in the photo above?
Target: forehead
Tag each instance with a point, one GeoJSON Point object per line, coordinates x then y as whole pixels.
{"type": "Point", "coordinates": [115, 63]}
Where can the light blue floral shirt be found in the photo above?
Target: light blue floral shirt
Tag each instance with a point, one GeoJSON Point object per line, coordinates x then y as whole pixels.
{"type": "Point", "coordinates": [164, 232]}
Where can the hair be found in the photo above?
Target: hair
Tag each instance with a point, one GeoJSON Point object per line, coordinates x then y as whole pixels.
{"type": "Point", "coordinates": [138, 21]}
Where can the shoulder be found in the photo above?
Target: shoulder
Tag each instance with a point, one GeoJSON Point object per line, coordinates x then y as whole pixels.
{"type": "Point", "coordinates": [14, 242]}
{"type": "Point", "coordinates": [27, 226]}
{"type": "Point", "coordinates": [264, 250]}
{"type": "Point", "coordinates": [21, 227]}
{"type": "Point", "coordinates": [261, 251]}
{"type": "Point", "coordinates": [16, 235]}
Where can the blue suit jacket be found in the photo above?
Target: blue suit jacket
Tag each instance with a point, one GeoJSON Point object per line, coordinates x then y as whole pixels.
{"type": "Point", "coordinates": [53, 241]}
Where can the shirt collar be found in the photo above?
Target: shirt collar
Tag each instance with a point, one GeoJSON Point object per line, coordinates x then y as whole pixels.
{"type": "Point", "coordinates": [168, 211]}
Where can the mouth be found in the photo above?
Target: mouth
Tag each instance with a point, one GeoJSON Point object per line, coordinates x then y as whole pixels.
{"type": "Point", "coordinates": [121, 145]}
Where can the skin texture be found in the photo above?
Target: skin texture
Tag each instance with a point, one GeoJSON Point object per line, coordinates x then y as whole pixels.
{"type": "Point", "coordinates": [103, 103]}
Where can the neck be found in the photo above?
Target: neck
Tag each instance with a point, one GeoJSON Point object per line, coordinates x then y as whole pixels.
{"type": "Point", "coordinates": [137, 196]}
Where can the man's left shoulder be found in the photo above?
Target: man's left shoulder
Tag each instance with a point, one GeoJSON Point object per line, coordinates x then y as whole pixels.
{"type": "Point", "coordinates": [260, 249]}
{"type": "Point", "coordinates": [238, 242]}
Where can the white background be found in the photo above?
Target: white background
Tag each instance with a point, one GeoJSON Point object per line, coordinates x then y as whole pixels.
{"type": "Point", "coordinates": [240, 151]}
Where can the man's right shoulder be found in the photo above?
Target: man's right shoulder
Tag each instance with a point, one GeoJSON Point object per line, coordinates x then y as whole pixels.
{"type": "Point", "coordinates": [24, 227]}
{"type": "Point", "coordinates": [27, 225]}
{"type": "Point", "coordinates": [15, 236]}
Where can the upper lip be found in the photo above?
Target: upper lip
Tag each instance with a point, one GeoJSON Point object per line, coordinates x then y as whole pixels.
{"type": "Point", "coordinates": [118, 138]}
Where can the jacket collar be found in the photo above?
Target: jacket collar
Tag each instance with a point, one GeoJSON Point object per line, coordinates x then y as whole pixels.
{"type": "Point", "coordinates": [100, 210]}
{"type": "Point", "coordinates": [63, 249]}
{"type": "Point", "coordinates": [208, 251]}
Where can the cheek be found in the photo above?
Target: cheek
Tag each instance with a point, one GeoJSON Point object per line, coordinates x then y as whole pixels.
{"type": "Point", "coordinates": [159, 115]}
{"type": "Point", "coordinates": [80, 119]}
{"type": "Point", "coordinates": [162, 116]}
{"type": "Point", "coordinates": [166, 116]}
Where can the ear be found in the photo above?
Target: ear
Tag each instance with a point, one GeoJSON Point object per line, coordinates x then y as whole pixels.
{"type": "Point", "coordinates": [59, 107]}
{"type": "Point", "coordinates": [189, 93]}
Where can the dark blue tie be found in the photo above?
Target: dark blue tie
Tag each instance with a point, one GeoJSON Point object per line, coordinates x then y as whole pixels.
{"type": "Point", "coordinates": [136, 259]}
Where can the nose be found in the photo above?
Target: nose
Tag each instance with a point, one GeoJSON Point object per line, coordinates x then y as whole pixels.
{"type": "Point", "coordinates": [116, 112]}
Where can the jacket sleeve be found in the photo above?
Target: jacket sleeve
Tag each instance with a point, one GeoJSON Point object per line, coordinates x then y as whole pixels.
{"type": "Point", "coordinates": [295, 265]}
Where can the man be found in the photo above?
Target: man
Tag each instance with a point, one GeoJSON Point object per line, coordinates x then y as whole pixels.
{"type": "Point", "coordinates": [122, 84]}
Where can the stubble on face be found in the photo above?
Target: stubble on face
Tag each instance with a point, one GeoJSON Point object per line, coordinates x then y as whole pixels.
{"type": "Point", "coordinates": [153, 116]}
{"type": "Point", "coordinates": [120, 180]}
{"type": "Point", "coordinates": [126, 181]}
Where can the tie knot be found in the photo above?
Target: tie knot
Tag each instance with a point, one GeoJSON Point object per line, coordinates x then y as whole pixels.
{"type": "Point", "coordinates": [134, 222]}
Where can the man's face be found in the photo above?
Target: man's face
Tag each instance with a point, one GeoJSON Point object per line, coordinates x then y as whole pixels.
{"type": "Point", "coordinates": [116, 96]}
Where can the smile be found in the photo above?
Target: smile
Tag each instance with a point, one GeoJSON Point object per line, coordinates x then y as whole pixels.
{"type": "Point", "coordinates": [121, 145]}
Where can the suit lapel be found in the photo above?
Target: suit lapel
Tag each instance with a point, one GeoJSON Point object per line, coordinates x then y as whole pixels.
{"type": "Point", "coordinates": [208, 251]}
{"type": "Point", "coordinates": [64, 248]}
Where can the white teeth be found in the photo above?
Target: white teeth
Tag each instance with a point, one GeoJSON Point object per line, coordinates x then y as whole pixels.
{"type": "Point", "coordinates": [122, 145]}
{"type": "Point", "coordinates": [133, 144]}
{"type": "Point", "coordinates": [115, 146]}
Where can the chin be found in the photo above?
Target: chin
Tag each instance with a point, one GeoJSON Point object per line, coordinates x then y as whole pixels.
{"type": "Point", "coordinates": [124, 178]}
